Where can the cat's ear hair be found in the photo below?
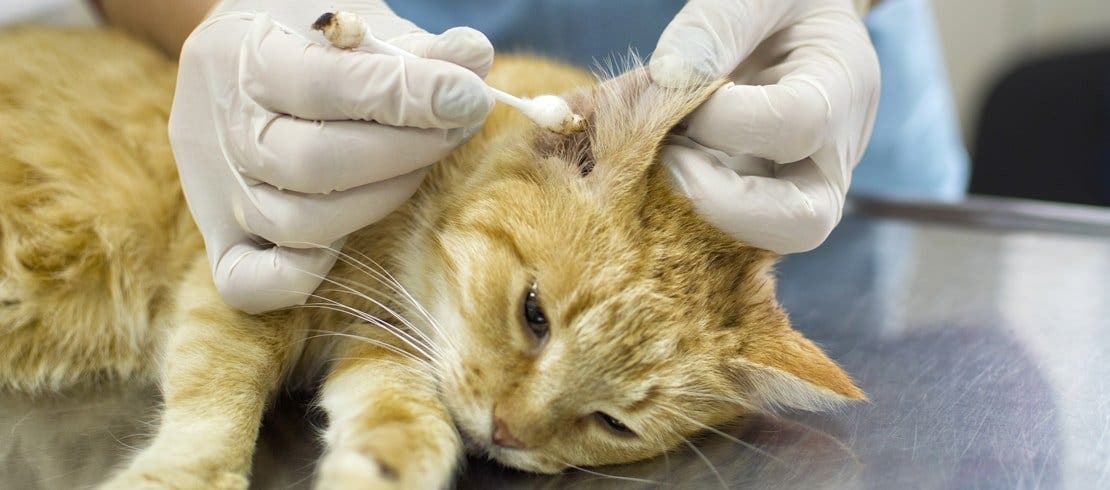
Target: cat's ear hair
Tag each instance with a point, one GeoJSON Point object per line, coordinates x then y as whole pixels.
{"type": "Point", "coordinates": [634, 115]}
{"type": "Point", "coordinates": [791, 371]}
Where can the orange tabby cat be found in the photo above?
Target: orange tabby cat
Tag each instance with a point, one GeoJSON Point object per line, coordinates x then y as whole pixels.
{"type": "Point", "coordinates": [548, 301]}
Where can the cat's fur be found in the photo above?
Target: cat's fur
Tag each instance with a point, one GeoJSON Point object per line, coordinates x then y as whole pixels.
{"type": "Point", "coordinates": [656, 318]}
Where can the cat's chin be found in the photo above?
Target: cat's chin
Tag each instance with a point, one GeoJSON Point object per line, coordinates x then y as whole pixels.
{"type": "Point", "coordinates": [519, 460]}
{"type": "Point", "coordinates": [470, 442]}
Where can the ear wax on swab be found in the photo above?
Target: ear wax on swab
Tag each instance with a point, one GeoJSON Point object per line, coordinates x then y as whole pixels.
{"type": "Point", "coordinates": [348, 31]}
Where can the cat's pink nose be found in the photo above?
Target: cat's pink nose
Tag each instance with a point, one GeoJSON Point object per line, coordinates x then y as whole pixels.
{"type": "Point", "coordinates": [502, 437]}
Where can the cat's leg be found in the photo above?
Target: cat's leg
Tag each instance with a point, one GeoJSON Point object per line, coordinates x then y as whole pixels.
{"type": "Point", "coordinates": [219, 371]}
{"type": "Point", "coordinates": [388, 428]}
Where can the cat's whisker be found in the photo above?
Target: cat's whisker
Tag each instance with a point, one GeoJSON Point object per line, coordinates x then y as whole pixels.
{"type": "Point", "coordinates": [298, 483]}
{"type": "Point", "coordinates": [615, 477]}
{"type": "Point", "coordinates": [350, 283]}
{"type": "Point", "coordinates": [367, 340]}
{"type": "Point", "coordinates": [707, 462]}
{"type": "Point", "coordinates": [667, 464]}
{"type": "Point", "coordinates": [746, 404]}
{"type": "Point", "coordinates": [124, 444]}
{"type": "Point", "coordinates": [377, 303]}
{"type": "Point", "coordinates": [430, 338]}
{"type": "Point", "coordinates": [359, 266]}
{"type": "Point", "coordinates": [424, 337]}
{"type": "Point", "coordinates": [674, 411]}
{"type": "Point", "coordinates": [341, 308]}
{"type": "Point", "coordinates": [383, 276]}
{"type": "Point", "coordinates": [400, 289]}
{"type": "Point", "coordinates": [348, 259]}
{"type": "Point", "coordinates": [376, 342]}
{"type": "Point", "coordinates": [366, 317]}
{"type": "Point", "coordinates": [369, 318]}
{"type": "Point", "coordinates": [423, 375]}
{"type": "Point", "coordinates": [400, 334]}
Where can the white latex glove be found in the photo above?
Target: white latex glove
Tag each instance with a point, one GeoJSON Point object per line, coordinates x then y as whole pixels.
{"type": "Point", "coordinates": [284, 143]}
{"type": "Point", "coordinates": [805, 94]}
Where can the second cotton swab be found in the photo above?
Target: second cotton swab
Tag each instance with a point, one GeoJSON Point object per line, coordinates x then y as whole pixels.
{"type": "Point", "coordinates": [348, 31]}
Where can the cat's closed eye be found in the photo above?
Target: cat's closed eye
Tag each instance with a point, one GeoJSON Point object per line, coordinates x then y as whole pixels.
{"type": "Point", "coordinates": [533, 316]}
{"type": "Point", "coordinates": [613, 424]}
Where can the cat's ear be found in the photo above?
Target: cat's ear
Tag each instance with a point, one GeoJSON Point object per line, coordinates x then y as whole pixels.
{"type": "Point", "coordinates": [634, 115]}
{"type": "Point", "coordinates": [628, 118]}
{"type": "Point", "coordinates": [788, 370]}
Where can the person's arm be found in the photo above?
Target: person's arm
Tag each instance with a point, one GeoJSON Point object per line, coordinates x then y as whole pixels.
{"type": "Point", "coordinates": [166, 23]}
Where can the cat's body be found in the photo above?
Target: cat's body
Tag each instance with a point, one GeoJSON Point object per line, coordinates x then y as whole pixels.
{"type": "Point", "coordinates": [103, 277]}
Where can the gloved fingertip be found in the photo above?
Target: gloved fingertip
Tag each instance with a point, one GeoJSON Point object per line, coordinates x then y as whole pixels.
{"type": "Point", "coordinates": [256, 280]}
{"type": "Point", "coordinates": [666, 70]}
{"type": "Point", "coordinates": [682, 164]}
{"type": "Point", "coordinates": [678, 181]}
{"type": "Point", "coordinates": [671, 163]}
{"type": "Point", "coordinates": [464, 102]}
{"type": "Point", "coordinates": [462, 46]}
{"type": "Point", "coordinates": [466, 47]}
{"type": "Point", "coordinates": [673, 71]}
{"type": "Point", "coordinates": [685, 56]}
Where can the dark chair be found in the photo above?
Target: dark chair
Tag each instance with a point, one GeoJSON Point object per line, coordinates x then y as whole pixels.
{"type": "Point", "coordinates": [1044, 132]}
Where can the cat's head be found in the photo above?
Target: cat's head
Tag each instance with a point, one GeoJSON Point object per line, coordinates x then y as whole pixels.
{"type": "Point", "coordinates": [595, 318]}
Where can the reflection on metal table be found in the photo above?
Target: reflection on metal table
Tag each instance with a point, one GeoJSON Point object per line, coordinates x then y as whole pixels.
{"type": "Point", "coordinates": [980, 332]}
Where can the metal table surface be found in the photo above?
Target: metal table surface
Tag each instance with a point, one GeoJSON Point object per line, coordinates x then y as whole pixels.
{"type": "Point", "coordinates": [980, 332]}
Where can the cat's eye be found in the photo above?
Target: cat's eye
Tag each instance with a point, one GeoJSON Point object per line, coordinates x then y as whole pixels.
{"type": "Point", "coordinates": [534, 317]}
{"type": "Point", "coordinates": [613, 424]}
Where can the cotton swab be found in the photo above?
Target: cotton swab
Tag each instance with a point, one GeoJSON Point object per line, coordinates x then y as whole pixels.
{"type": "Point", "coordinates": [348, 31]}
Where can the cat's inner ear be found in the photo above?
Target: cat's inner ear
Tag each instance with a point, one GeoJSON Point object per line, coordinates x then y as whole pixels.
{"type": "Point", "coordinates": [574, 149]}
{"type": "Point", "coordinates": [788, 370]}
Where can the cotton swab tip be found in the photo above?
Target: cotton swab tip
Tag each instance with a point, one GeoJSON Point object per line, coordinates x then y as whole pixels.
{"type": "Point", "coordinates": [342, 29]}
{"type": "Point", "coordinates": [553, 114]}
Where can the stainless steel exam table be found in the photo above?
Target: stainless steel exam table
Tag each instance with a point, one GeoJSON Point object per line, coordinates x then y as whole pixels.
{"type": "Point", "coordinates": [981, 332]}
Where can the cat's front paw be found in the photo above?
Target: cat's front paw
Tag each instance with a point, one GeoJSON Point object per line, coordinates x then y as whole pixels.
{"type": "Point", "coordinates": [351, 470]}
{"type": "Point", "coordinates": [175, 478]}
{"type": "Point", "coordinates": [387, 456]}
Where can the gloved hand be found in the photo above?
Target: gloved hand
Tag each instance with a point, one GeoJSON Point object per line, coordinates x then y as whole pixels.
{"type": "Point", "coordinates": [285, 144]}
{"type": "Point", "coordinates": [805, 94]}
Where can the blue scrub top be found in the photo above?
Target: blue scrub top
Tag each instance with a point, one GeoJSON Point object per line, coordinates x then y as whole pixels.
{"type": "Point", "coordinates": [915, 149]}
